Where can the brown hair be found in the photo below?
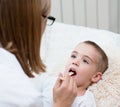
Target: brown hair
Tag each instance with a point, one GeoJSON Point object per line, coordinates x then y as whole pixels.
{"type": "Point", "coordinates": [20, 32]}
{"type": "Point", "coordinates": [103, 63]}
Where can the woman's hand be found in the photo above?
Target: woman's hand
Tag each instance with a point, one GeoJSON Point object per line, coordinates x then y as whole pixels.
{"type": "Point", "coordinates": [64, 91]}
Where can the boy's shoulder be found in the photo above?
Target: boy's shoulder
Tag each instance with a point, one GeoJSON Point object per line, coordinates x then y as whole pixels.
{"type": "Point", "coordinates": [87, 100]}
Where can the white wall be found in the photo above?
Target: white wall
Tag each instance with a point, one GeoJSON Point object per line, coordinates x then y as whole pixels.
{"type": "Point", "coordinates": [103, 14]}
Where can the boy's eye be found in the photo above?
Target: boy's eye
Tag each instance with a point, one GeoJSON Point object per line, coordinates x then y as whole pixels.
{"type": "Point", "coordinates": [85, 61]}
{"type": "Point", "coordinates": [73, 56]}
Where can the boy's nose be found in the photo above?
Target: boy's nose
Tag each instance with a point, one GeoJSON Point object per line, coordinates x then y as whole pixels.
{"type": "Point", "coordinates": [76, 62]}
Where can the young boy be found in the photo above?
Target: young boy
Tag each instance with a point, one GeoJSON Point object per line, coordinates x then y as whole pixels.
{"type": "Point", "coordinates": [86, 65]}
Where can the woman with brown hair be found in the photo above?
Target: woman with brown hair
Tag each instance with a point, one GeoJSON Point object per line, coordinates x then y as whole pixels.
{"type": "Point", "coordinates": [22, 23]}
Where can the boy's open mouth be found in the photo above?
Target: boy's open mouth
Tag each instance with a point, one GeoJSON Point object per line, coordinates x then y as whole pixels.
{"type": "Point", "coordinates": [72, 72]}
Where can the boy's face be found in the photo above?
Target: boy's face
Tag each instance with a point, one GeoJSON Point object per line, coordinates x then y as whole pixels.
{"type": "Point", "coordinates": [84, 63]}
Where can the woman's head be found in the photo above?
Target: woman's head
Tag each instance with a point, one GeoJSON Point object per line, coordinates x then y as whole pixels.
{"type": "Point", "coordinates": [21, 31]}
{"type": "Point", "coordinates": [45, 11]}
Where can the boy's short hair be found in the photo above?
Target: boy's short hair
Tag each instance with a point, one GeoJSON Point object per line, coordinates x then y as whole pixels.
{"type": "Point", "coordinates": [103, 64]}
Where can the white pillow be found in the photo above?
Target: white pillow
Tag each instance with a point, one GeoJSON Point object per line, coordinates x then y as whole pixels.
{"type": "Point", "coordinates": [107, 90]}
{"type": "Point", "coordinates": [60, 39]}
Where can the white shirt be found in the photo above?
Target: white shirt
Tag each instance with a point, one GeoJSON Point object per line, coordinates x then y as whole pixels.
{"type": "Point", "coordinates": [87, 100]}
{"type": "Point", "coordinates": [45, 84]}
{"type": "Point", "coordinates": [16, 89]}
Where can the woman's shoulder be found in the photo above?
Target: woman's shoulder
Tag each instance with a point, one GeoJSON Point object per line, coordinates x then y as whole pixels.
{"type": "Point", "coordinates": [16, 88]}
{"type": "Point", "coordinates": [15, 85]}
{"type": "Point", "coordinates": [9, 61]}
{"type": "Point", "coordinates": [6, 57]}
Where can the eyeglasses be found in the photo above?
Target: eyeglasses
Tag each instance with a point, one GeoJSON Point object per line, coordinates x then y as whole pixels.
{"type": "Point", "coordinates": [50, 19]}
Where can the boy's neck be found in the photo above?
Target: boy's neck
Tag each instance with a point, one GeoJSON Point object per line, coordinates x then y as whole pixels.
{"type": "Point", "coordinates": [81, 91]}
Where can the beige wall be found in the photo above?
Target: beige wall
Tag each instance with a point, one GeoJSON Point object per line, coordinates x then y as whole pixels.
{"type": "Point", "coordinates": [103, 14]}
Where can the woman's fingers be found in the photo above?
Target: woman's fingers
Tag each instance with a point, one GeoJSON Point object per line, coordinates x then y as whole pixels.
{"type": "Point", "coordinates": [59, 80]}
{"type": "Point", "coordinates": [64, 91]}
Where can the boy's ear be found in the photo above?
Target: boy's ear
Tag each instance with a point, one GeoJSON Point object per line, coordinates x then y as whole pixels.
{"type": "Point", "coordinates": [96, 77]}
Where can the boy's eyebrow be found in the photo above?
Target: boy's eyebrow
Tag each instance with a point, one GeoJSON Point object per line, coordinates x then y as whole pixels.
{"type": "Point", "coordinates": [74, 52]}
